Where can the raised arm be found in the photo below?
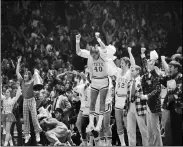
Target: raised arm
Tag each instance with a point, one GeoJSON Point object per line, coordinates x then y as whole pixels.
{"type": "Point", "coordinates": [78, 43]}
{"type": "Point", "coordinates": [165, 65]}
{"type": "Point", "coordinates": [144, 61]}
{"type": "Point", "coordinates": [102, 45]}
{"type": "Point", "coordinates": [18, 69]}
{"type": "Point", "coordinates": [12, 64]}
{"type": "Point", "coordinates": [81, 52]}
{"type": "Point", "coordinates": [18, 94]}
{"type": "Point", "coordinates": [132, 60]}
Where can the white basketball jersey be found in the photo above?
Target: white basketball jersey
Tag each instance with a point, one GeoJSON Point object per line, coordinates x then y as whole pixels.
{"type": "Point", "coordinates": [84, 95]}
{"type": "Point", "coordinates": [99, 68]}
{"type": "Point", "coordinates": [121, 89]}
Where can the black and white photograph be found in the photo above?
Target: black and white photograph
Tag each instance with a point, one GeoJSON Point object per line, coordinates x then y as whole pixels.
{"type": "Point", "coordinates": [91, 73]}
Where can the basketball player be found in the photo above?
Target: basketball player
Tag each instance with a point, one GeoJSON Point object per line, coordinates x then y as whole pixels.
{"type": "Point", "coordinates": [122, 78]}
{"type": "Point", "coordinates": [105, 134]}
{"type": "Point", "coordinates": [97, 63]}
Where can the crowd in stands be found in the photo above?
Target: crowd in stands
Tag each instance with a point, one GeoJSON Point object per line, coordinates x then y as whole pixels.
{"type": "Point", "coordinates": [43, 33]}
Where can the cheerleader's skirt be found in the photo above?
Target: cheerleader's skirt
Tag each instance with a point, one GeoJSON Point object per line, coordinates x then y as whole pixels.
{"type": "Point", "coordinates": [8, 117]}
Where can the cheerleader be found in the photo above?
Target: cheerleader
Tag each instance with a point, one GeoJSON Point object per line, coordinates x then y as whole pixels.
{"type": "Point", "coordinates": [7, 117]}
{"type": "Point", "coordinates": [98, 65]}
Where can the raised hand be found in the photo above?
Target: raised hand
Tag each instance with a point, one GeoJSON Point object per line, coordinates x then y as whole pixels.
{"type": "Point", "coordinates": [129, 49]}
{"type": "Point", "coordinates": [97, 34]}
{"type": "Point", "coordinates": [143, 50]}
{"type": "Point", "coordinates": [78, 38]}
{"type": "Point", "coordinates": [163, 57]}
{"type": "Point", "coordinates": [19, 59]}
{"type": "Point", "coordinates": [19, 91]}
{"type": "Point", "coordinates": [36, 71]}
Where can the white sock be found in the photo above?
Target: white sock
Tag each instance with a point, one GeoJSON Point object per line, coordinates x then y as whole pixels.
{"type": "Point", "coordinates": [91, 118]}
{"type": "Point", "coordinates": [91, 140]}
{"type": "Point", "coordinates": [108, 142]}
{"type": "Point", "coordinates": [4, 132]}
{"type": "Point", "coordinates": [96, 141]}
{"type": "Point", "coordinates": [27, 137]}
{"type": "Point", "coordinates": [102, 142]}
{"type": "Point", "coordinates": [85, 142]}
{"type": "Point", "coordinates": [101, 116]}
{"type": "Point", "coordinates": [6, 143]}
{"type": "Point", "coordinates": [121, 137]}
{"type": "Point", "coordinates": [11, 142]}
{"type": "Point", "coordinates": [37, 137]}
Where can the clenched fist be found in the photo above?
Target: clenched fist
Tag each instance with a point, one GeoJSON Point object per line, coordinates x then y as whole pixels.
{"type": "Point", "coordinates": [97, 34]}
{"type": "Point", "coordinates": [78, 38]}
{"type": "Point", "coordinates": [19, 59]}
{"type": "Point", "coordinates": [162, 57]}
{"type": "Point", "coordinates": [143, 50]}
{"type": "Point", "coordinates": [129, 49]}
{"type": "Point", "coordinates": [36, 71]}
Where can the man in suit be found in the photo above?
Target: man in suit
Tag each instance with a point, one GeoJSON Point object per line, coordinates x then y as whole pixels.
{"type": "Point", "coordinates": [151, 88]}
{"type": "Point", "coordinates": [135, 108]}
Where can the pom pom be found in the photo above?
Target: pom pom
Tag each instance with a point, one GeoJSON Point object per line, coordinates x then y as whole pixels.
{"type": "Point", "coordinates": [111, 50]}
{"type": "Point", "coordinates": [153, 55]}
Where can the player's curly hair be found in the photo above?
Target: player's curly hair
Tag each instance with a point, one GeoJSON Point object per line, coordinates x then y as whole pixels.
{"type": "Point", "coordinates": [126, 60]}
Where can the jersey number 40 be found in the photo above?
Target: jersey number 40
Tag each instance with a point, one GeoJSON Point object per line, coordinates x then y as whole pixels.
{"type": "Point", "coordinates": [98, 69]}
